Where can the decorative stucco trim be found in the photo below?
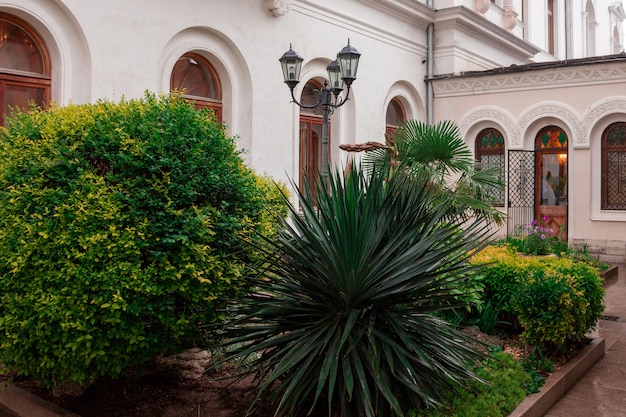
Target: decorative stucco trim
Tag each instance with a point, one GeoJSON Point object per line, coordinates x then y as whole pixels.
{"type": "Point", "coordinates": [489, 114]}
{"type": "Point", "coordinates": [482, 6]}
{"type": "Point", "coordinates": [551, 110]}
{"type": "Point", "coordinates": [598, 111]}
{"type": "Point", "coordinates": [278, 7]}
{"type": "Point", "coordinates": [530, 80]}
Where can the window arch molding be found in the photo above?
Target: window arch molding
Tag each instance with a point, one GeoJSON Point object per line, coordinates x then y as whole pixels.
{"type": "Point", "coordinates": [66, 46]}
{"type": "Point", "coordinates": [408, 97]}
{"type": "Point", "coordinates": [395, 115]}
{"type": "Point", "coordinates": [194, 78]}
{"type": "Point", "coordinates": [230, 67]}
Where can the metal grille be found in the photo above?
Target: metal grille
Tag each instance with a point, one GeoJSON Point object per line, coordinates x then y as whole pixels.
{"type": "Point", "coordinates": [495, 161]}
{"type": "Point", "coordinates": [521, 184]}
{"type": "Point", "coordinates": [616, 181]}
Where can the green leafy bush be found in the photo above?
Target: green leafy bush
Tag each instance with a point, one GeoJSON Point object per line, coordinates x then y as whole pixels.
{"type": "Point", "coordinates": [343, 322]}
{"type": "Point", "coordinates": [121, 230]}
{"type": "Point", "coordinates": [505, 385]}
{"type": "Point", "coordinates": [556, 300]}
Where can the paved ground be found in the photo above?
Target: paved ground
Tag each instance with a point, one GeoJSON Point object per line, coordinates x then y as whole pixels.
{"type": "Point", "coordinates": [602, 391]}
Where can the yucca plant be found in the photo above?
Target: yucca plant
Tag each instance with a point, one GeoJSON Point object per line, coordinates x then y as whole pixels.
{"type": "Point", "coordinates": [341, 322]}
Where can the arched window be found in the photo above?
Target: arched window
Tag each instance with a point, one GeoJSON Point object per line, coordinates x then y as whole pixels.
{"type": "Point", "coordinates": [195, 79]}
{"type": "Point", "coordinates": [614, 167]}
{"type": "Point", "coordinates": [396, 116]}
{"type": "Point", "coordinates": [310, 135]}
{"type": "Point", "coordinates": [489, 150]}
{"type": "Point", "coordinates": [24, 67]}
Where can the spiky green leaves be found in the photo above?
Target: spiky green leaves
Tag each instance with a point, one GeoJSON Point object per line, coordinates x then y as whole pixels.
{"type": "Point", "coordinates": [341, 320]}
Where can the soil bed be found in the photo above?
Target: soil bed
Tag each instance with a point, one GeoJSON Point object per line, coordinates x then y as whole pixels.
{"type": "Point", "coordinates": [161, 391]}
{"type": "Point", "coordinates": [158, 392]}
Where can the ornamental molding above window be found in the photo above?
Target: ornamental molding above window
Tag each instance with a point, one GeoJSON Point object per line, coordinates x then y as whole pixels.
{"type": "Point", "coordinates": [556, 111]}
{"type": "Point", "coordinates": [278, 7]}
{"type": "Point", "coordinates": [506, 122]}
{"type": "Point", "coordinates": [612, 105]}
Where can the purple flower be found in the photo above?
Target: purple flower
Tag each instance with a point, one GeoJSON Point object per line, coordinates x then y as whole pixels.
{"type": "Point", "coordinates": [534, 222]}
{"type": "Point", "coordinates": [545, 218]}
{"type": "Point", "coordinates": [543, 237]}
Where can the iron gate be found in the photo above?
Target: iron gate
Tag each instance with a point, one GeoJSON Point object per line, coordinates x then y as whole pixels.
{"type": "Point", "coordinates": [521, 184]}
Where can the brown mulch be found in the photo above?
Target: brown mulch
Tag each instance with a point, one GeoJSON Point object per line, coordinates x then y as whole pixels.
{"type": "Point", "coordinates": [160, 391]}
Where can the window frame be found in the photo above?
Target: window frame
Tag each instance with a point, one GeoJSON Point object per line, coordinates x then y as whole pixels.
{"type": "Point", "coordinates": [605, 149]}
{"type": "Point", "coordinates": [480, 151]}
{"type": "Point", "coordinates": [215, 104]}
{"type": "Point", "coordinates": [15, 77]}
{"type": "Point", "coordinates": [390, 129]}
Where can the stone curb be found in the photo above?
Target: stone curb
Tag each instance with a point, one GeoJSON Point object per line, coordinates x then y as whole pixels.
{"type": "Point", "coordinates": [16, 402]}
{"type": "Point", "coordinates": [537, 405]}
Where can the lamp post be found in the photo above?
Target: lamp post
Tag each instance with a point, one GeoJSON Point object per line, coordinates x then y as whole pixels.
{"type": "Point", "coordinates": [340, 71]}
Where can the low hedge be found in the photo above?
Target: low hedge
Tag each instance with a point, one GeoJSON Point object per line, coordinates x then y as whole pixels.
{"type": "Point", "coordinates": [556, 300]}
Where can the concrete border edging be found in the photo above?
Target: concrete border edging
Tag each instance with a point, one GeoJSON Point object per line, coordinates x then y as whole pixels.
{"type": "Point", "coordinates": [17, 402]}
{"type": "Point", "coordinates": [537, 405]}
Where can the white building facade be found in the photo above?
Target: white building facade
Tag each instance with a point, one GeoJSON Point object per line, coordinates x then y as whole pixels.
{"type": "Point", "coordinates": [513, 66]}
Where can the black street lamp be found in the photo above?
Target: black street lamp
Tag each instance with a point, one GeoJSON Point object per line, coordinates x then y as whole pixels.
{"type": "Point", "coordinates": [340, 71]}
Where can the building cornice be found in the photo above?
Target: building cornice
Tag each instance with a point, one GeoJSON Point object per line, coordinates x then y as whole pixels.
{"type": "Point", "coordinates": [474, 25]}
{"type": "Point", "coordinates": [410, 11]}
{"type": "Point", "coordinates": [531, 78]}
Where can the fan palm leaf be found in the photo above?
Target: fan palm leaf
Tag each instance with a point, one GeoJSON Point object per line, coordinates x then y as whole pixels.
{"type": "Point", "coordinates": [440, 152]}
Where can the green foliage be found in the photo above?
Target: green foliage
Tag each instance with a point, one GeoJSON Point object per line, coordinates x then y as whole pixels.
{"type": "Point", "coordinates": [488, 319]}
{"type": "Point", "coordinates": [505, 385]}
{"type": "Point", "coordinates": [440, 153]}
{"type": "Point", "coordinates": [556, 300]}
{"type": "Point", "coordinates": [121, 229]}
{"type": "Point", "coordinates": [538, 366]}
{"type": "Point", "coordinates": [538, 238]}
{"type": "Point", "coordinates": [342, 322]}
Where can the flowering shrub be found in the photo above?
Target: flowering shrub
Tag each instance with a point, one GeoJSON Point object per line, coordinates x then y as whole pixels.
{"type": "Point", "coordinates": [538, 239]}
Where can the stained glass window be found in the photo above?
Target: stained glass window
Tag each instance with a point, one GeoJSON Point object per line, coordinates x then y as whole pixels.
{"type": "Point", "coordinates": [551, 137]}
